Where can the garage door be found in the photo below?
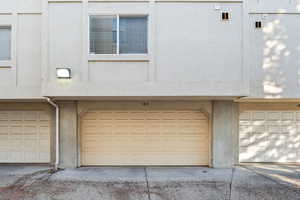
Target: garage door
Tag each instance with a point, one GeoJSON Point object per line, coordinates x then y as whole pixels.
{"type": "Point", "coordinates": [270, 136]}
{"type": "Point", "coordinates": [24, 137]}
{"type": "Point", "coordinates": [144, 138]}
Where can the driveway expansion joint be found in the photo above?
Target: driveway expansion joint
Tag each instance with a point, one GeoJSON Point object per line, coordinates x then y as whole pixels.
{"type": "Point", "coordinates": [230, 184]}
{"type": "Point", "coordinates": [147, 183]}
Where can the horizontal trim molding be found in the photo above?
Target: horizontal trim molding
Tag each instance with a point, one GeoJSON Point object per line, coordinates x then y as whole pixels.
{"type": "Point", "coordinates": [64, 1]}
{"type": "Point", "coordinates": [119, 61]}
{"type": "Point", "coordinates": [5, 67]}
{"type": "Point", "coordinates": [6, 64]}
{"type": "Point", "coordinates": [119, 58]}
{"type": "Point", "coordinates": [117, 1]}
{"type": "Point", "coordinates": [267, 100]}
{"type": "Point", "coordinates": [274, 13]}
{"type": "Point", "coordinates": [166, 1]}
{"type": "Point", "coordinates": [29, 13]}
{"type": "Point", "coordinates": [201, 1]}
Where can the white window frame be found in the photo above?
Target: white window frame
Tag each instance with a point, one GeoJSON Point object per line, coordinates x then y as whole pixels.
{"type": "Point", "coordinates": [8, 63]}
{"type": "Point", "coordinates": [92, 56]}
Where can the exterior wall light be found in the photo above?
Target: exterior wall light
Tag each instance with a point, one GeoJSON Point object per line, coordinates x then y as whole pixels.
{"type": "Point", "coordinates": [63, 73]}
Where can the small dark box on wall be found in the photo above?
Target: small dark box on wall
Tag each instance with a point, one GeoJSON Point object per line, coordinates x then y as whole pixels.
{"type": "Point", "coordinates": [258, 24]}
{"type": "Point", "coordinates": [225, 16]}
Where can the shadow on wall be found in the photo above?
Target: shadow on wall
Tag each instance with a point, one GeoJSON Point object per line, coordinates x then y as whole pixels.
{"type": "Point", "coordinates": [274, 51]}
{"type": "Point", "coordinates": [280, 58]}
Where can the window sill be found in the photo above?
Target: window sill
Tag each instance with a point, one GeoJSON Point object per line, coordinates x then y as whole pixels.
{"type": "Point", "coordinates": [119, 58]}
{"type": "Point", "coordinates": [5, 64]}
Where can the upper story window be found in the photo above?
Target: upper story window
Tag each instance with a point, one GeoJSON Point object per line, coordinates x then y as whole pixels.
{"type": "Point", "coordinates": [5, 43]}
{"type": "Point", "coordinates": [118, 34]}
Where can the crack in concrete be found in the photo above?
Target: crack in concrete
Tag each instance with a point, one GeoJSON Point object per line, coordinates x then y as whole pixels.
{"type": "Point", "coordinates": [231, 180]}
{"type": "Point", "coordinates": [147, 183]}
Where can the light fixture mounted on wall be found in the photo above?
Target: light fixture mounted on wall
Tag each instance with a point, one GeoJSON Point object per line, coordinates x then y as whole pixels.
{"type": "Point", "coordinates": [63, 73]}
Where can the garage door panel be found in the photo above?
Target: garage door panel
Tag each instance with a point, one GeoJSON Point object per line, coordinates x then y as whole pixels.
{"type": "Point", "coordinates": [288, 116]}
{"type": "Point", "coordinates": [27, 136]}
{"type": "Point", "coordinates": [4, 131]}
{"type": "Point", "coordinates": [258, 128]}
{"type": "Point", "coordinates": [29, 143]}
{"type": "Point", "coordinates": [297, 116]}
{"type": "Point", "coordinates": [288, 129]}
{"type": "Point", "coordinates": [258, 116]}
{"type": "Point", "coordinates": [90, 116]}
{"type": "Point", "coordinates": [3, 144]}
{"type": "Point", "coordinates": [4, 155]}
{"type": "Point", "coordinates": [31, 116]}
{"type": "Point", "coordinates": [44, 117]}
{"type": "Point", "coordinates": [192, 133]}
{"type": "Point", "coordinates": [44, 130]}
{"type": "Point", "coordinates": [245, 141]}
{"type": "Point", "coordinates": [30, 131]}
{"type": "Point", "coordinates": [15, 156]}
{"type": "Point", "coordinates": [273, 116]}
{"type": "Point", "coordinates": [268, 136]}
{"type": "Point", "coordinates": [3, 115]}
{"type": "Point", "coordinates": [141, 143]}
{"type": "Point", "coordinates": [15, 116]}
{"type": "Point", "coordinates": [274, 128]}
{"type": "Point", "coordinates": [44, 157]}
{"type": "Point", "coordinates": [144, 138]}
{"type": "Point", "coordinates": [16, 129]}
{"type": "Point", "coordinates": [295, 137]}
{"type": "Point", "coordinates": [193, 125]}
{"type": "Point", "coordinates": [30, 156]}
{"type": "Point", "coordinates": [116, 159]}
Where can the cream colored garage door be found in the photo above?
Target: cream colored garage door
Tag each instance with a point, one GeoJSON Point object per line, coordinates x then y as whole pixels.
{"type": "Point", "coordinates": [144, 138]}
{"type": "Point", "coordinates": [24, 137]}
{"type": "Point", "coordinates": [270, 136]}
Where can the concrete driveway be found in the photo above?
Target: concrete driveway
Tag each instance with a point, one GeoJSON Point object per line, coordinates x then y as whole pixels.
{"type": "Point", "coordinates": [284, 174]}
{"type": "Point", "coordinates": [155, 183]}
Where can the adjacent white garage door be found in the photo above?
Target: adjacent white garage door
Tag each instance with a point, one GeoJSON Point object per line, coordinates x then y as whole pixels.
{"type": "Point", "coordinates": [144, 138]}
{"type": "Point", "coordinates": [270, 136]}
{"type": "Point", "coordinates": [24, 137]}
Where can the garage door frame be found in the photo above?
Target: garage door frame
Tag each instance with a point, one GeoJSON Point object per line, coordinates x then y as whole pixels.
{"type": "Point", "coordinates": [34, 106]}
{"type": "Point", "coordinates": [204, 106]}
